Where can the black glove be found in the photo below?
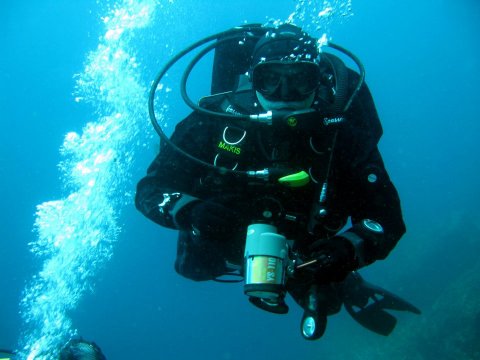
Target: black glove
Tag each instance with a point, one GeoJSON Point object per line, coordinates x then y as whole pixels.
{"type": "Point", "coordinates": [213, 220]}
{"type": "Point", "coordinates": [333, 259]}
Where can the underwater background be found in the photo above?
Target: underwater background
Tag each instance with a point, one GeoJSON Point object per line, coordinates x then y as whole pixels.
{"type": "Point", "coordinates": [58, 106]}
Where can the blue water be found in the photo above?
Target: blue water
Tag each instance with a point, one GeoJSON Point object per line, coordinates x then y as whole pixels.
{"type": "Point", "coordinates": [422, 63]}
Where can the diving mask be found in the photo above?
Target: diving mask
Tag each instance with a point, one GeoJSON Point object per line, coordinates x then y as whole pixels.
{"type": "Point", "coordinates": [287, 81]}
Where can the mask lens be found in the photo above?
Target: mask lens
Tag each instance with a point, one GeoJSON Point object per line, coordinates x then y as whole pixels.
{"type": "Point", "coordinates": [301, 78]}
{"type": "Point", "coordinates": [269, 80]}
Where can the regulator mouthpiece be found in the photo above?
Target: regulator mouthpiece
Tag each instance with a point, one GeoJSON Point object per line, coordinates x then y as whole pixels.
{"type": "Point", "coordinates": [266, 258]}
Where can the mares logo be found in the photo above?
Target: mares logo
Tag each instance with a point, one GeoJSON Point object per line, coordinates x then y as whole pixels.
{"type": "Point", "coordinates": [332, 121]}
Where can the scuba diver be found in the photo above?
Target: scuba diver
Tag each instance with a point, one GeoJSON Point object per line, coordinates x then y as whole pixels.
{"type": "Point", "coordinates": [277, 177]}
{"type": "Point", "coordinates": [80, 349]}
{"type": "Point", "coordinates": [75, 349]}
{"type": "Point", "coordinates": [6, 354]}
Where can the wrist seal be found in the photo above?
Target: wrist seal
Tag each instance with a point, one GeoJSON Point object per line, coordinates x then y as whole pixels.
{"type": "Point", "coordinates": [172, 205]}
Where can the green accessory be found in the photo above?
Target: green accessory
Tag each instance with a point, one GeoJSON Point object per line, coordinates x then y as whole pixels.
{"type": "Point", "coordinates": [298, 179]}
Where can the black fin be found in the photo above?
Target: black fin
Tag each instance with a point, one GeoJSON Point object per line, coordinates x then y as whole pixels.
{"type": "Point", "coordinates": [366, 303]}
{"type": "Point", "coordinates": [376, 320]}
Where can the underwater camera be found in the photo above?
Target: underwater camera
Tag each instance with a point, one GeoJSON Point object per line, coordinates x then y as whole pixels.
{"type": "Point", "coordinates": [266, 261]}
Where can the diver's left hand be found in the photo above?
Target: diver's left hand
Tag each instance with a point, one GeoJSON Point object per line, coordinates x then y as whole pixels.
{"type": "Point", "coordinates": [331, 260]}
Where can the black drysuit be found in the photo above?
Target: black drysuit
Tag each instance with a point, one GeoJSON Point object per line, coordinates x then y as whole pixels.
{"type": "Point", "coordinates": [358, 184]}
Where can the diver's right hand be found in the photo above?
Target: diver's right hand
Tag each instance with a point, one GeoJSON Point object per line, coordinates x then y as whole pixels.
{"type": "Point", "coordinates": [331, 260]}
{"type": "Point", "coordinates": [212, 220]}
